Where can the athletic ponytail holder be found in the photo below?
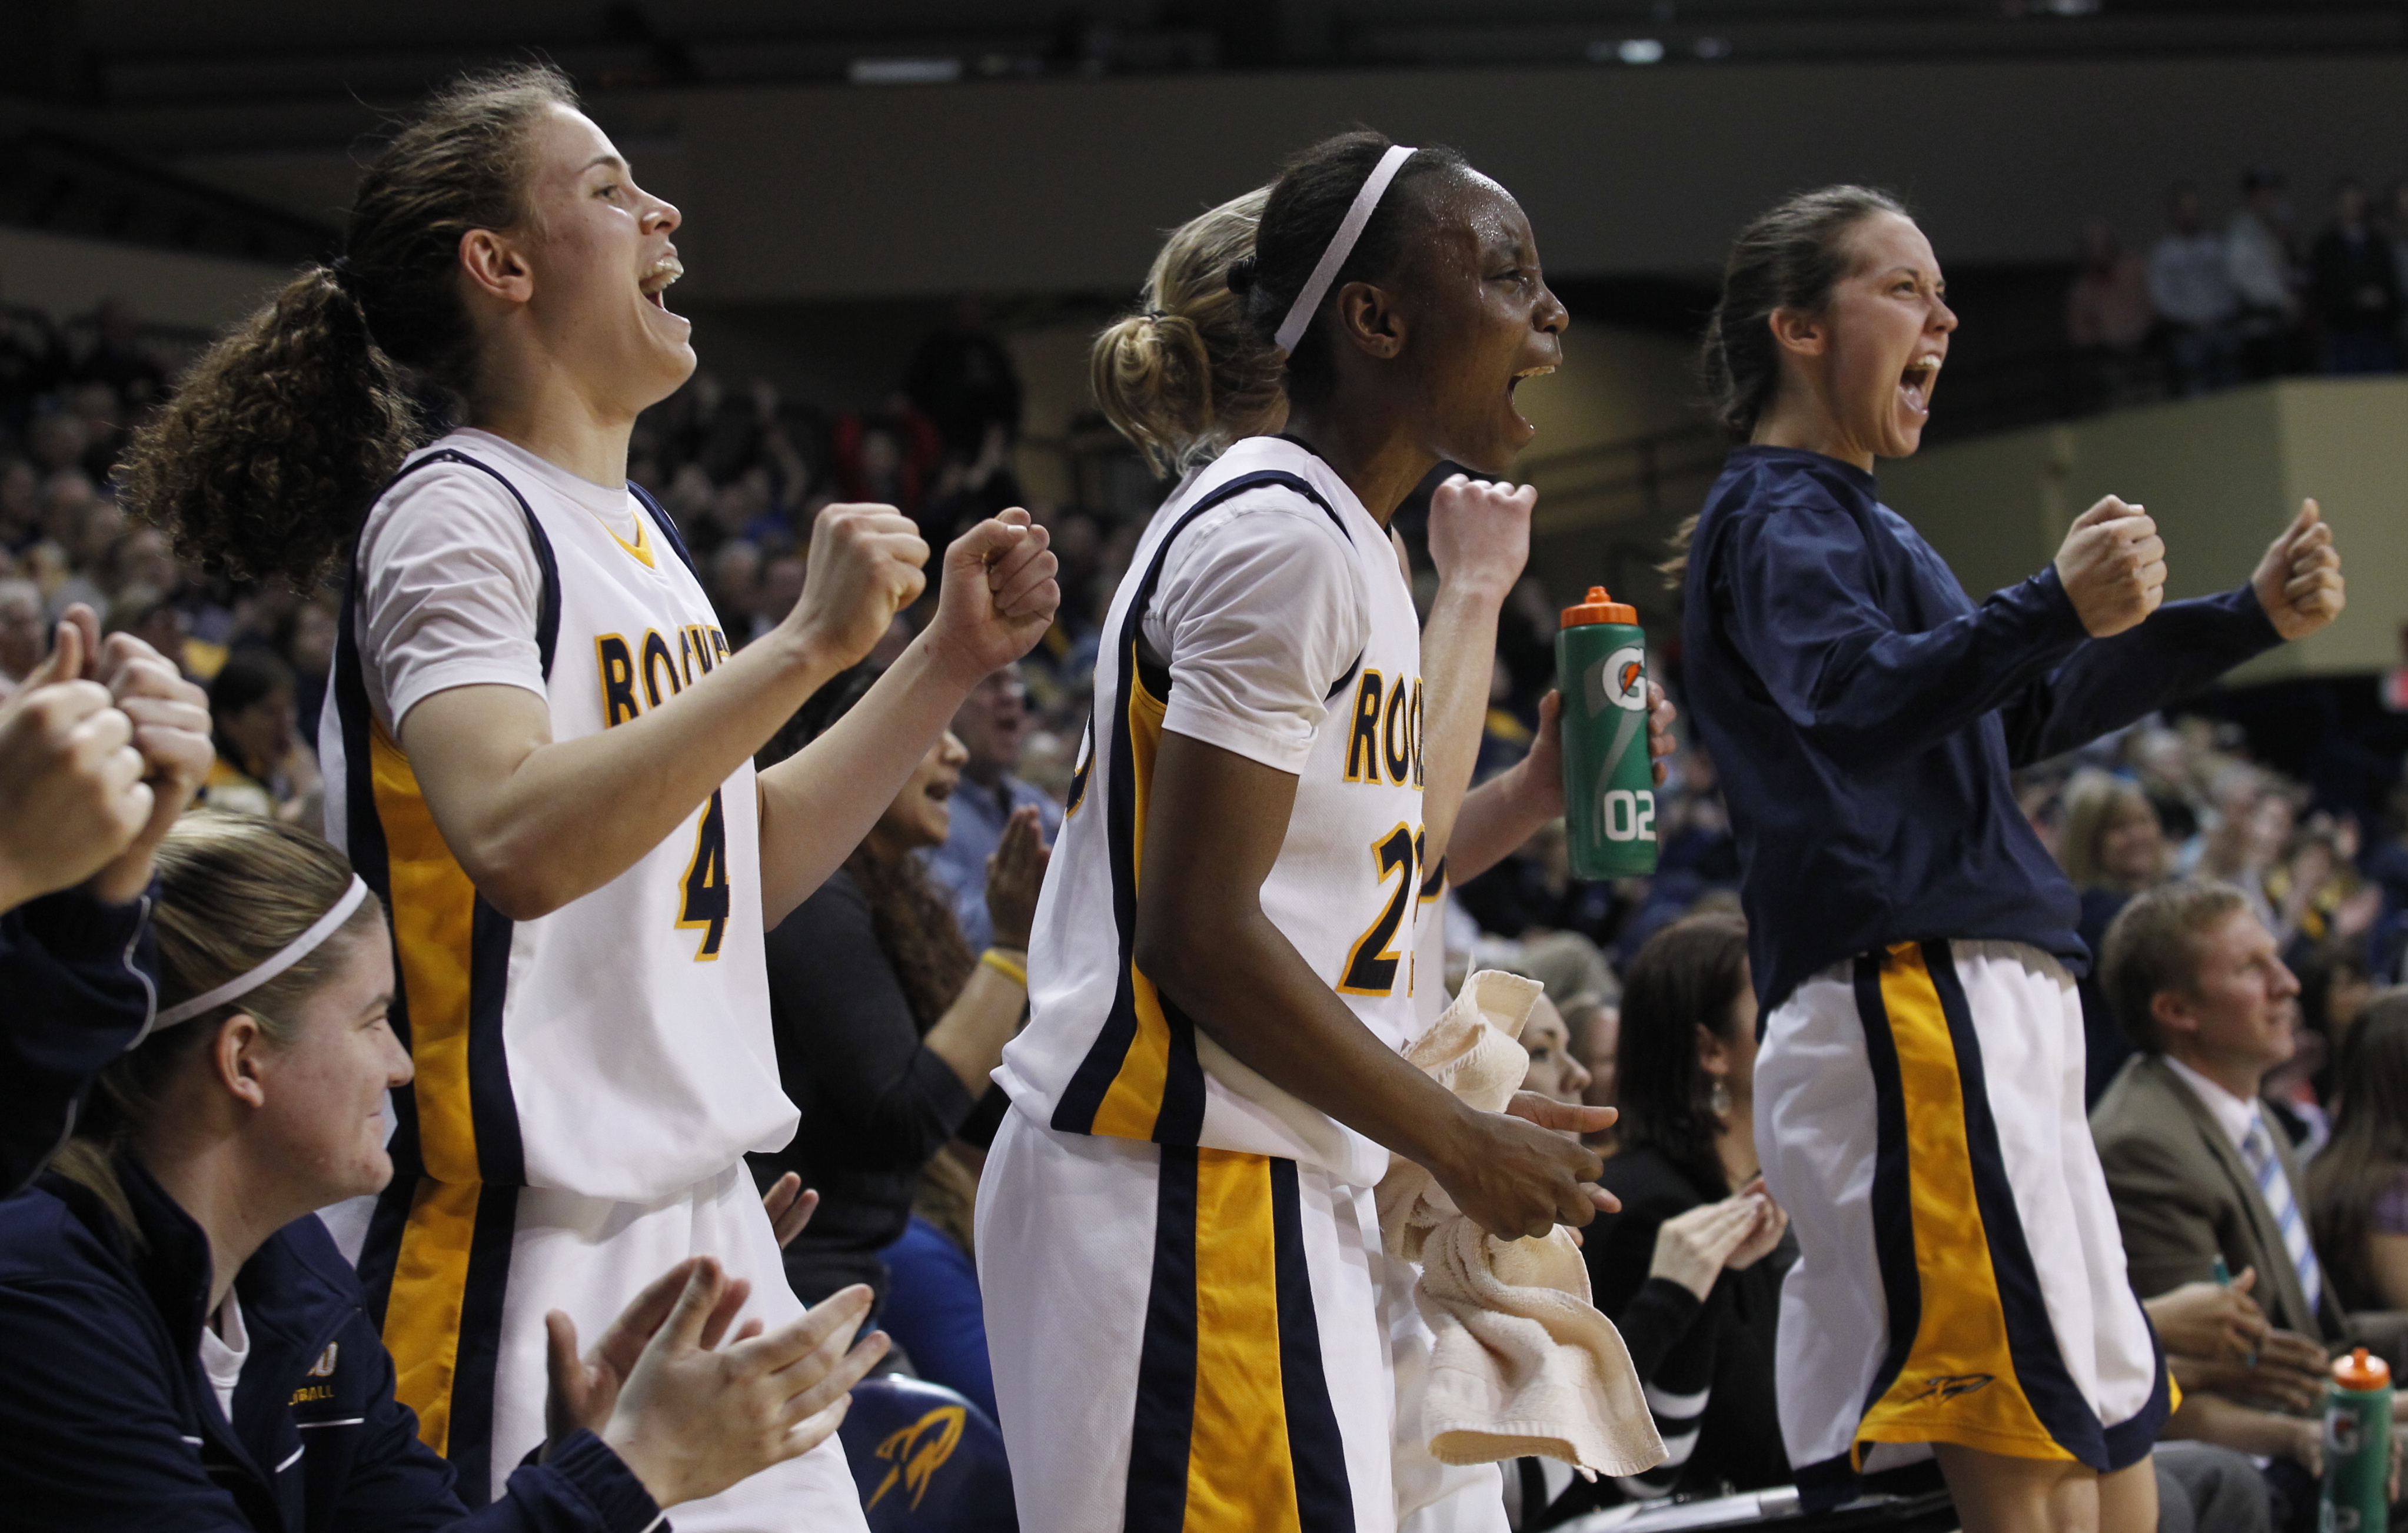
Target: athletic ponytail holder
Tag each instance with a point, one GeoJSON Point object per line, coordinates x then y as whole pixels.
{"type": "Point", "coordinates": [1342, 245]}
{"type": "Point", "coordinates": [292, 952]}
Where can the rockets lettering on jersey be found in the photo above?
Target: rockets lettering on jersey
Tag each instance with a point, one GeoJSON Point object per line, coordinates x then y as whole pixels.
{"type": "Point", "coordinates": [1106, 1051]}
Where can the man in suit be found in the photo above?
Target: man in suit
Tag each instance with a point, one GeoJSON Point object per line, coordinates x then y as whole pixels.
{"type": "Point", "coordinates": [2198, 1170]}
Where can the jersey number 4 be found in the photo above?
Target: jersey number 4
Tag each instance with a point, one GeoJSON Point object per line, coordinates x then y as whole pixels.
{"type": "Point", "coordinates": [1372, 966]}
{"type": "Point", "coordinates": [704, 893]}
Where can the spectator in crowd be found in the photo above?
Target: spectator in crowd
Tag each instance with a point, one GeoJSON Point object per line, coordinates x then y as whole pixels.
{"type": "Point", "coordinates": [1690, 1269]}
{"type": "Point", "coordinates": [993, 725]}
{"type": "Point", "coordinates": [2112, 848]}
{"type": "Point", "coordinates": [2190, 286]}
{"type": "Point", "coordinates": [2206, 1182]}
{"type": "Point", "coordinates": [962, 379]}
{"type": "Point", "coordinates": [2355, 287]}
{"type": "Point", "coordinates": [2107, 311]}
{"type": "Point", "coordinates": [2335, 985]}
{"type": "Point", "coordinates": [262, 766]}
{"type": "Point", "coordinates": [2197, 1170]}
{"type": "Point", "coordinates": [20, 632]}
{"type": "Point", "coordinates": [182, 1330]}
{"type": "Point", "coordinates": [2108, 305]}
{"type": "Point", "coordinates": [1556, 1069]}
{"type": "Point", "coordinates": [2399, 241]}
{"type": "Point", "coordinates": [2260, 258]}
{"type": "Point", "coordinates": [2357, 1188]}
{"type": "Point", "coordinates": [888, 1023]}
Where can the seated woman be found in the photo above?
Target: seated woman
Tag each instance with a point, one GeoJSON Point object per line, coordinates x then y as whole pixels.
{"type": "Point", "coordinates": [187, 1349]}
{"type": "Point", "coordinates": [1683, 1270]}
{"type": "Point", "coordinates": [887, 1026]}
{"type": "Point", "coordinates": [2357, 1189]}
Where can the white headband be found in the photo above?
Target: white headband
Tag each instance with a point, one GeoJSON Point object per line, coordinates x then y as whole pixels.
{"type": "Point", "coordinates": [293, 952]}
{"type": "Point", "coordinates": [1342, 245]}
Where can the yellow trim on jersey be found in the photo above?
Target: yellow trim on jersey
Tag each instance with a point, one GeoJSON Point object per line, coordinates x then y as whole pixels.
{"type": "Point", "coordinates": [433, 921]}
{"type": "Point", "coordinates": [1134, 1100]}
{"type": "Point", "coordinates": [434, 918]}
{"type": "Point", "coordinates": [1240, 1478]}
{"type": "Point", "coordinates": [430, 1288]}
{"type": "Point", "coordinates": [1962, 1335]}
{"type": "Point", "coordinates": [641, 549]}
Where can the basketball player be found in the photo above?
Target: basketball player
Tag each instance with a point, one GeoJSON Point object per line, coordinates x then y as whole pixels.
{"type": "Point", "coordinates": [1174, 1219]}
{"type": "Point", "coordinates": [539, 752]}
{"type": "Point", "coordinates": [1961, 1280]}
{"type": "Point", "coordinates": [1183, 379]}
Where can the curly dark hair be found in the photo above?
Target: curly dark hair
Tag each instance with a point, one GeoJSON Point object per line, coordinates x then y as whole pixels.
{"type": "Point", "coordinates": [1308, 203]}
{"type": "Point", "coordinates": [276, 443]}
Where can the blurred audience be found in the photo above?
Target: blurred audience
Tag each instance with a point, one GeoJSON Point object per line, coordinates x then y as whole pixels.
{"type": "Point", "coordinates": [993, 725]}
{"type": "Point", "coordinates": [887, 1026]}
{"type": "Point", "coordinates": [2355, 287]}
{"type": "Point", "coordinates": [2357, 1188]}
{"type": "Point", "coordinates": [1690, 1269]}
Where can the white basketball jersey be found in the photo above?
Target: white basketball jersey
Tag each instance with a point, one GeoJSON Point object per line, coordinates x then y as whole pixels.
{"type": "Point", "coordinates": [1105, 1052]}
{"type": "Point", "coordinates": [620, 1047]}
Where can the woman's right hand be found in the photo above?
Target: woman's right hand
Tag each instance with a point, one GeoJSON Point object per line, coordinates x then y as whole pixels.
{"type": "Point", "coordinates": [1014, 874]}
{"type": "Point", "coordinates": [866, 564]}
{"type": "Point", "coordinates": [694, 1419]}
{"type": "Point", "coordinates": [1693, 1249]}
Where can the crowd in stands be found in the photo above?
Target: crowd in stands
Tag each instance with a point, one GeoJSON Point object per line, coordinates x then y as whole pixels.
{"type": "Point", "coordinates": [2246, 1040]}
{"type": "Point", "coordinates": [2265, 292]}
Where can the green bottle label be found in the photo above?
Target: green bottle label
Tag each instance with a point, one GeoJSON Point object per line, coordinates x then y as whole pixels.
{"type": "Point", "coordinates": [2358, 1462]}
{"type": "Point", "coordinates": [1609, 777]}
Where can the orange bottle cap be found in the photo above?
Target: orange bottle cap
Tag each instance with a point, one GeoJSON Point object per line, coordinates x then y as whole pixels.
{"type": "Point", "coordinates": [2358, 1370]}
{"type": "Point", "coordinates": [1599, 607]}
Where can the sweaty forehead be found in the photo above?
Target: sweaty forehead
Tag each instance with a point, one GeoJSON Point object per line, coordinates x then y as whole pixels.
{"type": "Point", "coordinates": [1466, 208]}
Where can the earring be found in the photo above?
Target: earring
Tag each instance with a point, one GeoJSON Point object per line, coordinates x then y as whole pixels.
{"type": "Point", "coordinates": [1718, 1101]}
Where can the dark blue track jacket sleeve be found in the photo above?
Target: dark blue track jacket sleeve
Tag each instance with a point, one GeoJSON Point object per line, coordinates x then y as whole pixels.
{"type": "Point", "coordinates": [75, 986]}
{"type": "Point", "coordinates": [1806, 611]}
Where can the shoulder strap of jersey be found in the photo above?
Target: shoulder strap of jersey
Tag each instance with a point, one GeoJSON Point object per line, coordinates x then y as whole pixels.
{"type": "Point", "coordinates": [1132, 650]}
{"type": "Point", "coordinates": [1180, 1117]}
{"type": "Point", "coordinates": [547, 615]}
{"type": "Point", "coordinates": [667, 528]}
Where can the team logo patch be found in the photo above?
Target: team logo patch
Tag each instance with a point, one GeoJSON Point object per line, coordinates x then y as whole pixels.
{"type": "Point", "coordinates": [1948, 1386]}
{"type": "Point", "coordinates": [918, 1451]}
{"type": "Point", "coordinates": [1618, 681]}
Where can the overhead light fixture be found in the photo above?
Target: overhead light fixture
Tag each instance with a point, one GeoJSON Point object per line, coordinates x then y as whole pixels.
{"type": "Point", "coordinates": [904, 71]}
{"type": "Point", "coordinates": [1626, 51]}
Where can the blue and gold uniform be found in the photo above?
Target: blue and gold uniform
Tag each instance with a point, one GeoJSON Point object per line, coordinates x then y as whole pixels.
{"type": "Point", "coordinates": [1173, 1250]}
{"type": "Point", "coordinates": [1919, 1106]}
{"type": "Point", "coordinates": [588, 1082]}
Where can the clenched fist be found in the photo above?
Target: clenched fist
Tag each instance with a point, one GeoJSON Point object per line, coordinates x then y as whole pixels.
{"type": "Point", "coordinates": [865, 568]}
{"type": "Point", "coordinates": [2299, 581]}
{"type": "Point", "coordinates": [2112, 566]}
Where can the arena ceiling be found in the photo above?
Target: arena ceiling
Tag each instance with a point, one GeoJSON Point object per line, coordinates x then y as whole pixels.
{"type": "Point", "coordinates": [150, 54]}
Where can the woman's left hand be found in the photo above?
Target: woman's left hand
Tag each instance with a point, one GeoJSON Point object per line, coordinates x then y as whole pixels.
{"type": "Point", "coordinates": [998, 596]}
{"type": "Point", "coordinates": [789, 1205]}
{"type": "Point", "coordinates": [585, 1390]}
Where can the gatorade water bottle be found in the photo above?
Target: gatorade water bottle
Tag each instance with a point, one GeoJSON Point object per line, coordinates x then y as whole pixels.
{"type": "Point", "coordinates": [1609, 777]}
{"type": "Point", "coordinates": [2358, 1447]}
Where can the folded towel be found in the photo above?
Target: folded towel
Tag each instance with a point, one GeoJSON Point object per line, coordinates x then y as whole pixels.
{"type": "Point", "coordinates": [1522, 1363]}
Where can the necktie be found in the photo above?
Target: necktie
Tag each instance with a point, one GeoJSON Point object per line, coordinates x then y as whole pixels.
{"type": "Point", "coordinates": [2257, 1150]}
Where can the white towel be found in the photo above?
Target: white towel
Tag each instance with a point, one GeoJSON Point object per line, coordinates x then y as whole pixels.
{"type": "Point", "coordinates": [1523, 1363]}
